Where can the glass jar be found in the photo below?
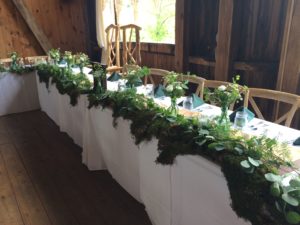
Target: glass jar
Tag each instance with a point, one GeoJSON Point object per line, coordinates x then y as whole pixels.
{"type": "Point", "coordinates": [188, 103]}
{"type": "Point", "coordinates": [240, 120]}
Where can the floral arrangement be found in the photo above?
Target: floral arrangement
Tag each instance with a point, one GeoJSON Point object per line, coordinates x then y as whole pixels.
{"type": "Point", "coordinates": [224, 96]}
{"type": "Point", "coordinates": [135, 75]}
{"type": "Point", "coordinates": [81, 60]}
{"type": "Point", "coordinates": [54, 54]}
{"type": "Point", "coordinates": [174, 89]}
{"type": "Point", "coordinates": [69, 58]}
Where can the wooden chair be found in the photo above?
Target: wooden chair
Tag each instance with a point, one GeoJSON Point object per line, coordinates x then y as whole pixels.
{"type": "Point", "coordinates": [199, 81]}
{"type": "Point", "coordinates": [34, 59]}
{"type": "Point", "coordinates": [5, 62]}
{"type": "Point", "coordinates": [131, 44]}
{"type": "Point", "coordinates": [216, 83]}
{"type": "Point", "coordinates": [113, 48]}
{"type": "Point", "coordinates": [156, 75]}
{"type": "Point", "coordinates": [129, 67]}
{"type": "Point", "coordinates": [292, 99]}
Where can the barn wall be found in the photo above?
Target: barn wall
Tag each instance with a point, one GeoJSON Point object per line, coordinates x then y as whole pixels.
{"type": "Point", "coordinates": [62, 21]}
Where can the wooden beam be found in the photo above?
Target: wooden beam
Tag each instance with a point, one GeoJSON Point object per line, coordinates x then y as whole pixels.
{"type": "Point", "coordinates": [245, 66]}
{"type": "Point", "coordinates": [285, 43]}
{"type": "Point", "coordinates": [224, 40]}
{"type": "Point", "coordinates": [29, 19]}
{"type": "Point", "coordinates": [201, 61]}
{"type": "Point", "coordinates": [255, 66]}
{"type": "Point", "coordinates": [181, 35]}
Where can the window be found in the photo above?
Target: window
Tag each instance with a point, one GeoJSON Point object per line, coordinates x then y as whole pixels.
{"type": "Point", "coordinates": [156, 17]}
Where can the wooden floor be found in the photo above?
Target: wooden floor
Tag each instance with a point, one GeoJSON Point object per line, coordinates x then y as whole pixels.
{"type": "Point", "coordinates": [43, 182]}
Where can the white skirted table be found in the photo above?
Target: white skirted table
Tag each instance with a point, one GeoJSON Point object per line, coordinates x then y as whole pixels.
{"type": "Point", "coordinates": [192, 191]}
{"type": "Point", "coordinates": [18, 93]}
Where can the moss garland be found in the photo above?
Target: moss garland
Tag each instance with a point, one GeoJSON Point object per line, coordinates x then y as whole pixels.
{"type": "Point", "coordinates": [66, 82]}
{"type": "Point", "coordinates": [177, 136]}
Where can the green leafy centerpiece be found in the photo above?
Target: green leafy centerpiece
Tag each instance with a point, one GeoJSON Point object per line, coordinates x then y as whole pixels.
{"type": "Point", "coordinates": [69, 58]}
{"type": "Point", "coordinates": [135, 75]}
{"type": "Point", "coordinates": [81, 60]}
{"type": "Point", "coordinates": [174, 89]}
{"type": "Point", "coordinates": [54, 54]}
{"type": "Point", "coordinates": [224, 96]}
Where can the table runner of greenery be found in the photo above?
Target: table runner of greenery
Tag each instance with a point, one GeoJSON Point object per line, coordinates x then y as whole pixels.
{"type": "Point", "coordinates": [249, 164]}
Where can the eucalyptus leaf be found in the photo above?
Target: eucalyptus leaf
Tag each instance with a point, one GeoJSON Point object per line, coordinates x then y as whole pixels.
{"type": "Point", "coordinates": [293, 217]}
{"type": "Point", "coordinates": [203, 132]}
{"type": "Point", "coordinates": [208, 137]}
{"type": "Point", "coordinates": [273, 177]}
{"type": "Point", "coordinates": [275, 189]}
{"type": "Point", "coordinates": [239, 150]}
{"type": "Point", "coordinates": [295, 182]}
{"type": "Point", "coordinates": [254, 162]}
{"type": "Point", "coordinates": [245, 164]}
{"type": "Point", "coordinates": [289, 199]}
{"type": "Point", "coordinates": [219, 148]}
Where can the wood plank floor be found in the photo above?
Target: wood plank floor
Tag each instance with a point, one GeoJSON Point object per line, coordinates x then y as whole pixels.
{"type": "Point", "coordinates": [42, 180]}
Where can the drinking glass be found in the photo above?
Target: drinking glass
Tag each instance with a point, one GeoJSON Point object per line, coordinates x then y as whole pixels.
{"type": "Point", "coordinates": [240, 120]}
{"type": "Point", "coordinates": [188, 103]}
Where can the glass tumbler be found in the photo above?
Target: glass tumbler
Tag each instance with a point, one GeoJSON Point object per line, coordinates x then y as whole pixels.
{"type": "Point", "coordinates": [240, 120]}
{"type": "Point", "coordinates": [188, 103]}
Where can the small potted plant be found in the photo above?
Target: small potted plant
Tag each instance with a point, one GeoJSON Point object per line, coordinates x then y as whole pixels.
{"type": "Point", "coordinates": [174, 89]}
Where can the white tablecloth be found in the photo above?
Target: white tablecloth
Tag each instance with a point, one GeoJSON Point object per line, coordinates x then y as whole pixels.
{"type": "Point", "coordinates": [193, 191]}
{"type": "Point", "coordinates": [70, 119]}
{"type": "Point", "coordinates": [18, 93]}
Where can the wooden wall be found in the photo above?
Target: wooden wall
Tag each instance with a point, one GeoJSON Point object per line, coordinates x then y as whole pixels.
{"type": "Point", "coordinates": [62, 21]}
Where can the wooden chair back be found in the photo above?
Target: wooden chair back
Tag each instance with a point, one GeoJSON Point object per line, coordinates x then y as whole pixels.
{"type": "Point", "coordinates": [5, 62]}
{"type": "Point", "coordinates": [128, 68]}
{"type": "Point", "coordinates": [131, 44]}
{"type": "Point", "coordinates": [292, 99]}
{"type": "Point", "coordinates": [113, 48]}
{"type": "Point", "coordinates": [34, 59]}
{"type": "Point", "coordinates": [199, 81]}
{"type": "Point", "coordinates": [156, 74]}
{"type": "Point", "coordinates": [217, 83]}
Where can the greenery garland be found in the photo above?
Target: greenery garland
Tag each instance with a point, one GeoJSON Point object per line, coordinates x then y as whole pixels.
{"type": "Point", "coordinates": [65, 80]}
{"type": "Point", "coordinates": [244, 161]}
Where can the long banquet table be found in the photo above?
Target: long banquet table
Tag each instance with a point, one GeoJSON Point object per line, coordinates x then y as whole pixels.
{"type": "Point", "coordinates": [18, 93]}
{"type": "Point", "coordinates": [192, 191]}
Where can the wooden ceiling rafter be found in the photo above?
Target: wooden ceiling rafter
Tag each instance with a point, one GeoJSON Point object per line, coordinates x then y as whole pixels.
{"type": "Point", "coordinates": [34, 27]}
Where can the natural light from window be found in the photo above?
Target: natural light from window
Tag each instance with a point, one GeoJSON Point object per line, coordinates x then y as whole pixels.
{"type": "Point", "coordinates": [156, 17]}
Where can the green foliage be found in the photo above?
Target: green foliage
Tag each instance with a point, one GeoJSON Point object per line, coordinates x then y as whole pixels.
{"type": "Point", "coordinates": [134, 76]}
{"type": "Point", "coordinates": [69, 58]}
{"type": "Point", "coordinates": [244, 161]}
{"type": "Point", "coordinates": [66, 82]}
{"type": "Point", "coordinates": [174, 89]}
{"type": "Point", "coordinates": [224, 96]}
{"type": "Point", "coordinates": [81, 60]}
{"type": "Point", "coordinates": [17, 65]}
{"type": "Point", "coordinates": [55, 55]}
{"type": "Point", "coordinates": [2, 68]}
{"type": "Point", "coordinates": [286, 192]}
